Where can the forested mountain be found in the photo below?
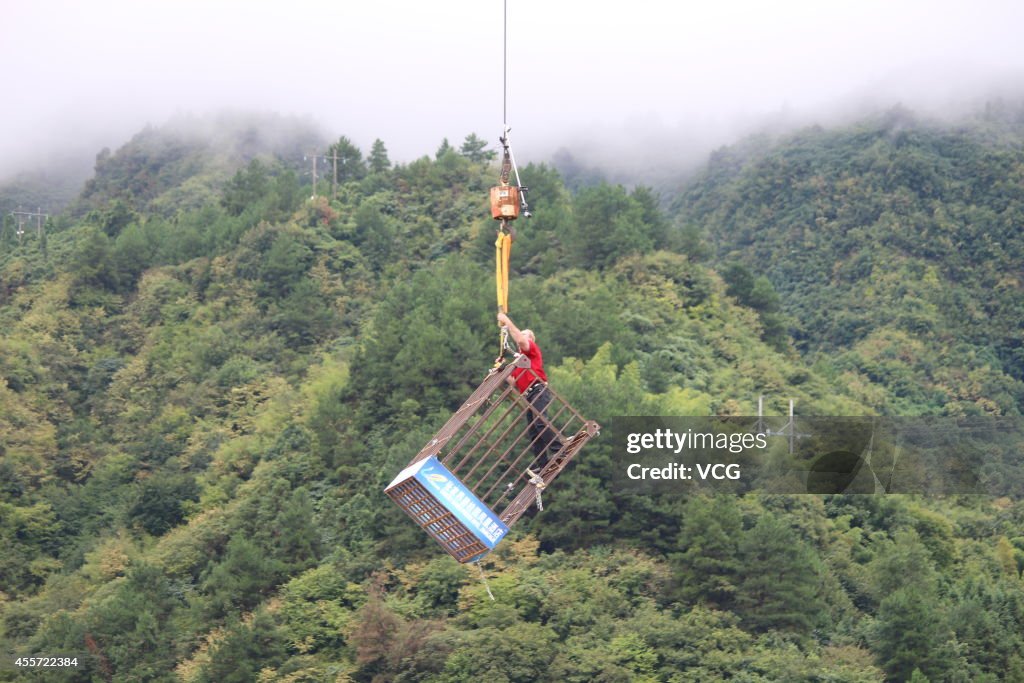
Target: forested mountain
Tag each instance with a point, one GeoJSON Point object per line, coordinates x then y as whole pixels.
{"type": "Point", "coordinates": [207, 384]}
{"type": "Point", "coordinates": [186, 163]}
{"type": "Point", "coordinates": [48, 190]}
{"type": "Point", "coordinates": [912, 233]}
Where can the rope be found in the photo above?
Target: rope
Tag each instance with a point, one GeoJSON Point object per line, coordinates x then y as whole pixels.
{"type": "Point", "coordinates": [504, 65]}
{"type": "Point", "coordinates": [503, 243]}
{"type": "Point", "coordinates": [483, 579]}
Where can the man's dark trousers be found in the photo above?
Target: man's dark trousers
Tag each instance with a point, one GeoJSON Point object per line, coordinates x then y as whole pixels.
{"type": "Point", "coordinates": [545, 442]}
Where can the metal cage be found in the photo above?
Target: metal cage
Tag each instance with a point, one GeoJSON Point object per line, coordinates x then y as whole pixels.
{"type": "Point", "coordinates": [489, 443]}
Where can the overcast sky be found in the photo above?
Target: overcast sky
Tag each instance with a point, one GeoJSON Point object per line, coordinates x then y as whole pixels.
{"type": "Point", "coordinates": [411, 73]}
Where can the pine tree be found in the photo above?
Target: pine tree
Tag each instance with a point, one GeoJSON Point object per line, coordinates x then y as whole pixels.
{"type": "Point", "coordinates": [473, 148]}
{"type": "Point", "coordinates": [911, 634]}
{"type": "Point", "coordinates": [708, 568]}
{"type": "Point", "coordinates": [378, 160]}
{"type": "Point", "coordinates": [443, 149]}
{"type": "Point", "coordinates": [350, 160]}
{"type": "Point", "coordinates": [779, 586]}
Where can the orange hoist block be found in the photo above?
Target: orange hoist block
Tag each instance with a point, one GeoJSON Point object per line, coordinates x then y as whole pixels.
{"type": "Point", "coordinates": [505, 202]}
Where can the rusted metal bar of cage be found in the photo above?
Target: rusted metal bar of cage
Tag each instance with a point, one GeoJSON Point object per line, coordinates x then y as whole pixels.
{"type": "Point", "coordinates": [462, 487]}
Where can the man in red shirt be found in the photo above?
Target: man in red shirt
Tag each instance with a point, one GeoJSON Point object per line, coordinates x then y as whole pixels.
{"type": "Point", "coordinates": [532, 383]}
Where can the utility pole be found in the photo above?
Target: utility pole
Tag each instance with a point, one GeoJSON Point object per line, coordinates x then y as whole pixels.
{"type": "Point", "coordinates": [792, 427]}
{"type": "Point", "coordinates": [314, 174]}
{"type": "Point", "coordinates": [21, 216]}
{"type": "Point", "coordinates": [789, 429]}
{"type": "Point", "coordinates": [314, 156]}
{"type": "Point", "coordinates": [334, 183]}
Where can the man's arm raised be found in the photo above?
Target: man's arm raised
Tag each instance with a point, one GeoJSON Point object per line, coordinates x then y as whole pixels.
{"type": "Point", "coordinates": [521, 339]}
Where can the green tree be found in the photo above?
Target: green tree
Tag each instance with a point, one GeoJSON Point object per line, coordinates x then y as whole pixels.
{"type": "Point", "coordinates": [475, 149]}
{"type": "Point", "coordinates": [246, 188]}
{"type": "Point", "coordinates": [423, 332]}
{"type": "Point", "coordinates": [443, 149]}
{"type": "Point", "coordinates": [759, 294]}
{"type": "Point", "coordinates": [114, 217]}
{"type": "Point", "coordinates": [283, 266]}
{"type": "Point", "coordinates": [350, 160]}
{"type": "Point", "coordinates": [132, 253]}
{"type": "Point", "coordinates": [378, 160]}
{"type": "Point", "coordinates": [779, 579]}
{"type": "Point", "coordinates": [131, 628]}
{"type": "Point", "coordinates": [611, 224]}
{"type": "Point", "coordinates": [303, 317]}
{"type": "Point", "coordinates": [911, 626]}
{"type": "Point", "coordinates": [159, 501]}
{"type": "Point", "coordinates": [739, 281]}
{"type": "Point", "coordinates": [245, 650]}
{"type": "Point", "coordinates": [708, 568]}
{"type": "Point", "coordinates": [288, 192]}
{"type": "Point", "coordinates": [241, 580]}
{"type": "Point", "coordinates": [93, 262]}
{"type": "Point", "coordinates": [27, 535]}
{"type": "Point", "coordinates": [519, 654]}
{"type": "Point", "coordinates": [375, 233]}
{"type": "Point", "coordinates": [911, 633]}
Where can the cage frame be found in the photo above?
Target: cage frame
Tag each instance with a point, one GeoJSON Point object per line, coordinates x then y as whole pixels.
{"type": "Point", "coordinates": [490, 444]}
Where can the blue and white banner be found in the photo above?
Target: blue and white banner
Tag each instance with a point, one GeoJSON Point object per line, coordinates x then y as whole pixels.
{"type": "Point", "coordinates": [458, 499]}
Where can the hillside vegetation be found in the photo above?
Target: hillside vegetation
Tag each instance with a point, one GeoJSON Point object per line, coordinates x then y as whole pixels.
{"type": "Point", "coordinates": [895, 248]}
{"type": "Point", "coordinates": [207, 384]}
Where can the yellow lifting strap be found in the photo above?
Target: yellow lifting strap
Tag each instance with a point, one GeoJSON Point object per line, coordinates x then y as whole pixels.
{"type": "Point", "coordinates": [502, 253]}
